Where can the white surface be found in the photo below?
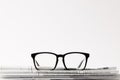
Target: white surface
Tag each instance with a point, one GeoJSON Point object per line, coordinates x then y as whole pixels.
{"type": "Point", "coordinates": [60, 26]}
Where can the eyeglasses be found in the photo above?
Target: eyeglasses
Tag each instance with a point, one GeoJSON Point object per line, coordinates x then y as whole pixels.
{"type": "Point", "coordinates": [49, 60]}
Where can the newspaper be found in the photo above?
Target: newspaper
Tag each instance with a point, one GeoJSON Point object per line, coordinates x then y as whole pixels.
{"type": "Point", "coordinates": [106, 73]}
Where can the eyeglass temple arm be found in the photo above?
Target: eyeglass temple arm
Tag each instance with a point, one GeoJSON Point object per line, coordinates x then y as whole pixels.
{"type": "Point", "coordinates": [80, 63]}
{"type": "Point", "coordinates": [37, 63]}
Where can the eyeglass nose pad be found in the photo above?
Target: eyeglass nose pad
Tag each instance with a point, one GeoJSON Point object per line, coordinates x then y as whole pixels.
{"type": "Point", "coordinates": [55, 64]}
{"type": "Point", "coordinates": [64, 63]}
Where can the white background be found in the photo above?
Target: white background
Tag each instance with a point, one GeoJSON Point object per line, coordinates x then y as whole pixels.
{"type": "Point", "coordinates": [60, 26]}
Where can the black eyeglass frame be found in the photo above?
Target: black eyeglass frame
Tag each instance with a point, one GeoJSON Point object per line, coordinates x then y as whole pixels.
{"type": "Point", "coordinates": [33, 55]}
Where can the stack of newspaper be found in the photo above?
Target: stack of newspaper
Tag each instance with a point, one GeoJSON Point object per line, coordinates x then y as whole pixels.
{"type": "Point", "coordinates": [59, 74]}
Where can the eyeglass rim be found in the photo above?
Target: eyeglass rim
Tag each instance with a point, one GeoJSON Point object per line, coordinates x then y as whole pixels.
{"type": "Point", "coordinates": [84, 53]}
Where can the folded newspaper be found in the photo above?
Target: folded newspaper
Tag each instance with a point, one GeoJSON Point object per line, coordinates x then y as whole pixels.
{"type": "Point", "coordinates": [106, 73]}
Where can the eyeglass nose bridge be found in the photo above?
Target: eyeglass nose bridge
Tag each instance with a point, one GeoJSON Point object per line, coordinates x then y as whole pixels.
{"type": "Point", "coordinates": [60, 55]}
